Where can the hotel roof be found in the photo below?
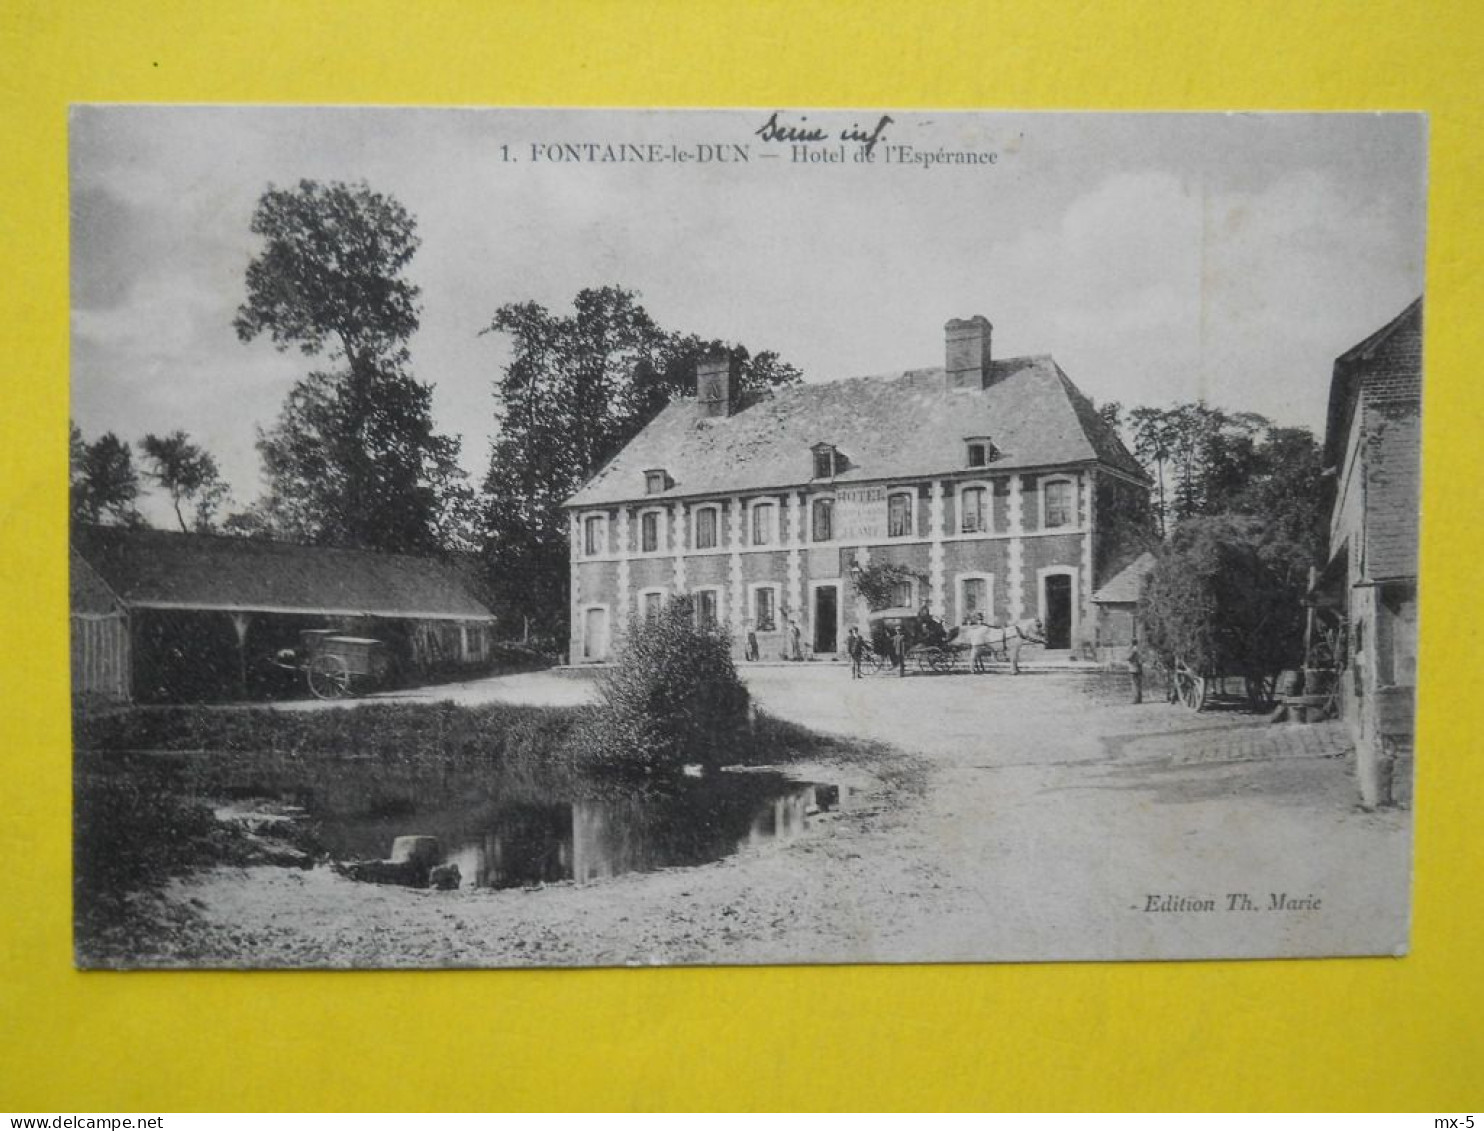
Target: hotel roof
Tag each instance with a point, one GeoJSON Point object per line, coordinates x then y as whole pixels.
{"type": "Point", "coordinates": [893, 427]}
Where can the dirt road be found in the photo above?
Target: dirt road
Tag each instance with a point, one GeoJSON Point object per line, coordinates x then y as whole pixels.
{"type": "Point", "coordinates": [1058, 821]}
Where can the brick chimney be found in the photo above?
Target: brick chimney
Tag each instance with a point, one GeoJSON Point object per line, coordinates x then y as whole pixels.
{"type": "Point", "coordinates": [715, 386]}
{"type": "Point", "coordinates": [966, 348]}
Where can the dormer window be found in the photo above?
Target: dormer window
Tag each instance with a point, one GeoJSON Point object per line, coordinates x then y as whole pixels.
{"type": "Point", "coordinates": [824, 461]}
{"type": "Point", "coordinates": [656, 482]}
{"type": "Point", "coordinates": [981, 451]}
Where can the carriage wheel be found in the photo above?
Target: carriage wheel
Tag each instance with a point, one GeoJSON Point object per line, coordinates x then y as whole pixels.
{"type": "Point", "coordinates": [1191, 689]}
{"type": "Point", "coordinates": [927, 661]}
{"type": "Point", "coordinates": [329, 678]}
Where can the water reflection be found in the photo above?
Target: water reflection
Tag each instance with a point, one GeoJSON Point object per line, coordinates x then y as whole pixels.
{"type": "Point", "coordinates": [519, 831]}
{"type": "Point", "coordinates": [587, 840]}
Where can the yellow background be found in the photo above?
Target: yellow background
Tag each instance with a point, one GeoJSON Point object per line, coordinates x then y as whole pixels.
{"type": "Point", "coordinates": [1379, 1033]}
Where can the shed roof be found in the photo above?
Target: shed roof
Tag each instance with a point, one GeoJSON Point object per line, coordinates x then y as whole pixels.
{"type": "Point", "coordinates": [1123, 587]}
{"type": "Point", "coordinates": [160, 569]}
{"type": "Point", "coordinates": [895, 426]}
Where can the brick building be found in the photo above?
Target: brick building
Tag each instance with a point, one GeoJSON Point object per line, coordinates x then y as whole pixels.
{"type": "Point", "coordinates": [1373, 446]}
{"type": "Point", "coordinates": [988, 478]}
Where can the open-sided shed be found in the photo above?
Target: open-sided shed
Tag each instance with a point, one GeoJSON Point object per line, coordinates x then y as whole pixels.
{"type": "Point", "coordinates": [202, 615]}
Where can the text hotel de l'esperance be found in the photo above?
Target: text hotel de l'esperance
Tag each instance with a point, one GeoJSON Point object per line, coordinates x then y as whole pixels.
{"type": "Point", "coordinates": [733, 153]}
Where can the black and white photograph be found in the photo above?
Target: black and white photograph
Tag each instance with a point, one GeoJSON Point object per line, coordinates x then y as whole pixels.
{"type": "Point", "coordinates": [566, 538]}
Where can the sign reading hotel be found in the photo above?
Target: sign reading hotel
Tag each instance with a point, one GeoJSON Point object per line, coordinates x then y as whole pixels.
{"type": "Point", "coordinates": [860, 513]}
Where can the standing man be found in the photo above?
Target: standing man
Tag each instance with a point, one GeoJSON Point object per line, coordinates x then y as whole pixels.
{"type": "Point", "coordinates": [899, 649]}
{"type": "Point", "coordinates": [795, 638]}
{"type": "Point", "coordinates": [1136, 669]}
{"type": "Point", "coordinates": [751, 652]}
{"type": "Point", "coordinates": [856, 647]}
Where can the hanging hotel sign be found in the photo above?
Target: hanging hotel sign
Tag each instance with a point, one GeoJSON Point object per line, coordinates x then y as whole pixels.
{"type": "Point", "coordinates": [860, 514]}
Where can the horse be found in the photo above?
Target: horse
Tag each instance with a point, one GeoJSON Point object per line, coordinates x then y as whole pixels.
{"type": "Point", "coordinates": [1006, 640]}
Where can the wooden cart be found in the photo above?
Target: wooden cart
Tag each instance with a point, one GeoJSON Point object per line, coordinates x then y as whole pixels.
{"type": "Point", "coordinates": [339, 667]}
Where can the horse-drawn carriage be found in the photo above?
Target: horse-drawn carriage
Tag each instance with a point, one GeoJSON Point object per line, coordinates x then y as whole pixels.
{"type": "Point", "coordinates": [338, 666]}
{"type": "Point", "coordinates": [966, 648]}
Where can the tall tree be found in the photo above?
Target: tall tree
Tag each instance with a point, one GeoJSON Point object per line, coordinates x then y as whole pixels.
{"type": "Point", "coordinates": [189, 476]}
{"type": "Point", "coordinates": [105, 485]}
{"type": "Point", "coordinates": [1151, 443]}
{"type": "Point", "coordinates": [577, 388]}
{"type": "Point", "coordinates": [1288, 490]}
{"type": "Point", "coordinates": [353, 458]}
{"type": "Point", "coordinates": [1200, 457]}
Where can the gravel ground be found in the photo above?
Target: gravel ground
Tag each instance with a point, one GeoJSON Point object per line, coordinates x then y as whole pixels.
{"type": "Point", "coordinates": [1054, 820]}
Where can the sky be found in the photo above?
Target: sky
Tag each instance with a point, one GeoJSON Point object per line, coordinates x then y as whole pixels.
{"type": "Point", "coordinates": [1156, 257]}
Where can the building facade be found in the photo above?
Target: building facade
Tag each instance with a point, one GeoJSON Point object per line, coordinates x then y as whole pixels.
{"type": "Point", "coordinates": [988, 479]}
{"type": "Point", "coordinates": [1373, 447]}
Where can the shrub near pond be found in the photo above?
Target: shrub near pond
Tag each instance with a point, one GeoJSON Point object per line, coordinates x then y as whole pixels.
{"type": "Point", "coordinates": [672, 697]}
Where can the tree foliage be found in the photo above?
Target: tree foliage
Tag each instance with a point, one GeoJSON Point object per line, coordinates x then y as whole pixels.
{"type": "Point", "coordinates": [353, 458]}
{"type": "Point", "coordinates": [360, 465]}
{"type": "Point", "coordinates": [576, 389]}
{"type": "Point", "coordinates": [1207, 462]}
{"type": "Point", "coordinates": [188, 475]}
{"type": "Point", "coordinates": [103, 479]}
{"type": "Point", "coordinates": [330, 272]}
{"type": "Point", "coordinates": [1225, 597]}
{"type": "Point", "coordinates": [878, 581]}
{"type": "Point", "coordinates": [672, 697]}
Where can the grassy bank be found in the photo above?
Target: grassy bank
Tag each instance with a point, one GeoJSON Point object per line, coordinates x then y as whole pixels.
{"type": "Point", "coordinates": [497, 735]}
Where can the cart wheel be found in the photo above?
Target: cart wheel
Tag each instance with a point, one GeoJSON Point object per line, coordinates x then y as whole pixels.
{"type": "Point", "coordinates": [328, 677]}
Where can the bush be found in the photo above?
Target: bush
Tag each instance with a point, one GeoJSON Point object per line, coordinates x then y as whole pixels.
{"type": "Point", "coordinates": [672, 697]}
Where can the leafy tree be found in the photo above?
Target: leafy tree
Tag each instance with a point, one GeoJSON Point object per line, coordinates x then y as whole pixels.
{"type": "Point", "coordinates": [188, 474]}
{"type": "Point", "coordinates": [363, 468]}
{"type": "Point", "coordinates": [577, 388]}
{"type": "Point", "coordinates": [331, 270]}
{"type": "Point", "coordinates": [353, 458]}
{"type": "Point", "coordinates": [1287, 489]}
{"type": "Point", "coordinates": [105, 485]}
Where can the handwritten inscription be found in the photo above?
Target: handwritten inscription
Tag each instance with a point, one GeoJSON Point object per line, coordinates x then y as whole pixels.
{"type": "Point", "coordinates": [776, 129]}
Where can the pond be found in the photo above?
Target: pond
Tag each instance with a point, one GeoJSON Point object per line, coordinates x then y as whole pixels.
{"type": "Point", "coordinates": [516, 831]}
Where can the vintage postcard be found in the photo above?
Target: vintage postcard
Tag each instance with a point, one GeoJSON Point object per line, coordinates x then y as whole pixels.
{"type": "Point", "coordinates": [569, 538]}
